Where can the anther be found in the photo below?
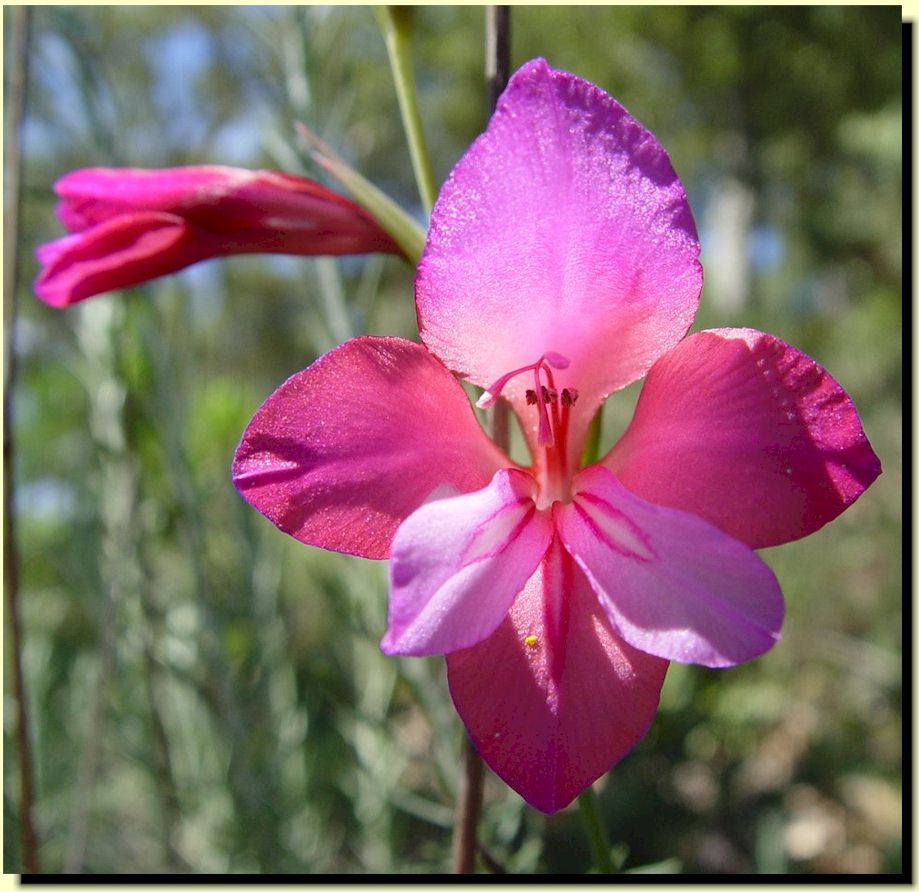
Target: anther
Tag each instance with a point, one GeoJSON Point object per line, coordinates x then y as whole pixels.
{"type": "Point", "coordinates": [569, 396]}
{"type": "Point", "coordinates": [531, 397]}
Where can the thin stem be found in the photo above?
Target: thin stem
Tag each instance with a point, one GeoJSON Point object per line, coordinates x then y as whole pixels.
{"type": "Point", "coordinates": [596, 833]}
{"type": "Point", "coordinates": [469, 806]}
{"type": "Point", "coordinates": [468, 810]}
{"type": "Point", "coordinates": [16, 98]}
{"type": "Point", "coordinates": [396, 24]}
{"type": "Point", "coordinates": [497, 51]}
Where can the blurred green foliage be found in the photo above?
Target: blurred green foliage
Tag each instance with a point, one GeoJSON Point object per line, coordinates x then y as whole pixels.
{"type": "Point", "coordinates": [206, 694]}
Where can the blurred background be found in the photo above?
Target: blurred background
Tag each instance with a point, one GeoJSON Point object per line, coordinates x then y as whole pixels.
{"type": "Point", "coordinates": [206, 694]}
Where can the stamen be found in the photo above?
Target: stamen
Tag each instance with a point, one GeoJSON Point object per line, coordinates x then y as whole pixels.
{"type": "Point", "coordinates": [541, 395]}
{"type": "Point", "coordinates": [531, 640]}
{"type": "Point", "coordinates": [491, 394]}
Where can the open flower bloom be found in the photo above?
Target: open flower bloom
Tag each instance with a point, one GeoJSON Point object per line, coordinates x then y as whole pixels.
{"type": "Point", "coordinates": [561, 265]}
{"type": "Point", "coordinates": [128, 226]}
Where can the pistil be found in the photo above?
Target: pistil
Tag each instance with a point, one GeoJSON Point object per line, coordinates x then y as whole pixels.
{"type": "Point", "coordinates": [554, 412]}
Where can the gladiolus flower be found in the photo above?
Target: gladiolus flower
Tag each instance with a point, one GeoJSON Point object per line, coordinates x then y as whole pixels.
{"type": "Point", "coordinates": [561, 265]}
{"type": "Point", "coordinates": [128, 226]}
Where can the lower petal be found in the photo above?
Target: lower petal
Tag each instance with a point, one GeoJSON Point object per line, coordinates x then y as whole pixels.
{"type": "Point", "coordinates": [672, 584]}
{"type": "Point", "coordinates": [554, 698]}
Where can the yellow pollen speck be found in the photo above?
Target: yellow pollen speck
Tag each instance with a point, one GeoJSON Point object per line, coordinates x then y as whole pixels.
{"type": "Point", "coordinates": [531, 641]}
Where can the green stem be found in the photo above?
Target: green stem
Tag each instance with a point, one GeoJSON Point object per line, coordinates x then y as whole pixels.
{"type": "Point", "coordinates": [405, 231]}
{"type": "Point", "coordinates": [591, 454]}
{"type": "Point", "coordinates": [596, 833]}
{"type": "Point", "coordinates": [396, 24]}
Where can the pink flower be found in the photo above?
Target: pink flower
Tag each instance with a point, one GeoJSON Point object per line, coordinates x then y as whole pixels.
{"type": "Point", "coordinates": [129, 225]}
{"type": "Point", "coordinates": [561, 265]}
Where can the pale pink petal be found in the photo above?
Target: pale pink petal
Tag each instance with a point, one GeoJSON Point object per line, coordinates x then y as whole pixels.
{"type": "Point", "coordinates": [457, 564]}
{"type": "Point", "coordinates": [671, 584]}
{"type": "Point", "coordinates": [343, 452]}
{"type": "Point", "coordinates": [554, 698]}
{"type": "Point", "coordinates": [562, 230]}
{"type": "Point", "coordinates": [119, 253]}
{"type": "Point", "coordinates": [738, 427]}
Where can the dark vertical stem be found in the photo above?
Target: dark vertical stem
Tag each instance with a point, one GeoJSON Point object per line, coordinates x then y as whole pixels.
{"type": "Point", "coordinates": [469, 806]}
{"type": "Point", "coordinates": [497, 51]}
{"type": "Point", "coordinates": [468, 810]}
{"type": "Point", "coordinates": [16, 97]}
{"type": "Point", "coordinates": [497, 74]}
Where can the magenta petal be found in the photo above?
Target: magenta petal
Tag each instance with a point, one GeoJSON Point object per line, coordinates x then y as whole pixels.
{"type": "Point", "coordinates": [132, 225]}
{"type": "Point", "coordinates": [116, 254]}
{"type": "Point", "coordinates": [95, 194]}
{"type": "Point", "coordinates": [341, 453]}
{"type": "Point", "coordinates": [457, 564]}
{"type": "Point", "coordinates": [671, 583]}
{"type": "Point", "coordinates": [554, 698]}
{"type": "Point", "coordinates": [563, 230]}
{"type": "Point", "coordinates": [740, 428]}
{"type": "Point", "coordinates": [250, 210]}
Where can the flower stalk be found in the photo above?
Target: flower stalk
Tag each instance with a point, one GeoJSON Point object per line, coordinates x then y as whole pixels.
{"type": "Point", "coordinates": [396, 25]}
{"type": "Point", "coordinates": [468, 810]}
{"type": "Point", "coordinates": [469, 807]}
{"type": "Point", "coordinates": [589, 808]}
{"type": "Point", "coordinates": [497, 51]}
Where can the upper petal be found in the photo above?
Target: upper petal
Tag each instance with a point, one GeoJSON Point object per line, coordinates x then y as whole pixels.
{"type": "Point", "coordinates": [554, 698]}
{"type": "Point", "coordinates": [563, 228]}
{"type": "Point", "coordinates": [457, 564]}
{"type": "Point", "coordinates": [254, 210]}
{"type": "Point", "coordinates": [671, 583]}
{"type": "Point", "coordinates": [342, 452]}
{"type": "Point", "coordinates": [92, 195]}
{"type": "Point", "coordinates": [740, 428]}
{"type": "Point", "coordinates": [118, 253]}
